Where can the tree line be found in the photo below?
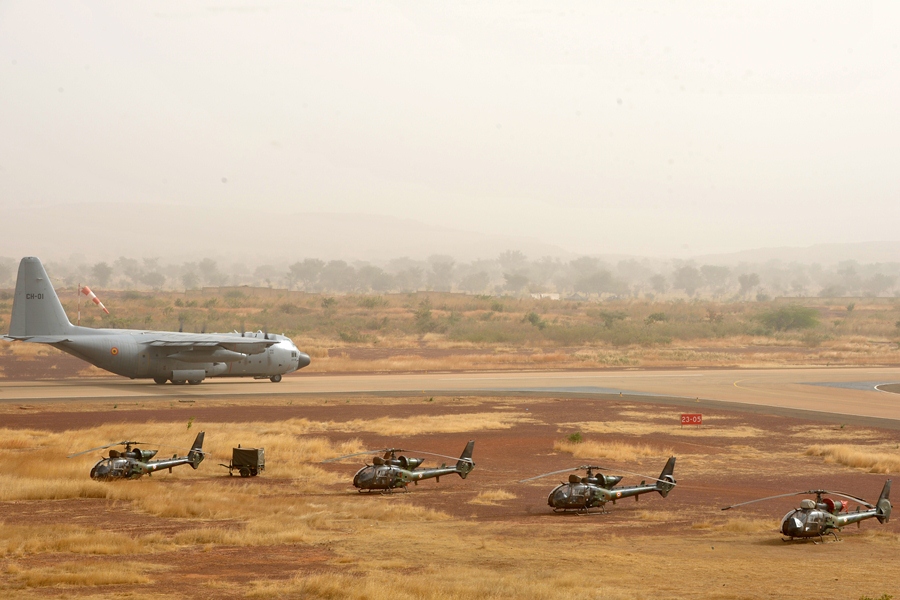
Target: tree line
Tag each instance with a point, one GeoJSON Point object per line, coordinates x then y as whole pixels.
{"type": "Point", "coordinates": [510, 273]}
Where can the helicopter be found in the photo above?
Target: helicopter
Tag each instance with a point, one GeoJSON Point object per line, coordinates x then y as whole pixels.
{"type": "Point", "coordinates": [822, 516]}
{"type": "Point", "coordinates": [134, 462]}
{"type": "Point", "coordinates": [389, 472]}
{"type": "Point", "coordinates": [596, 489]}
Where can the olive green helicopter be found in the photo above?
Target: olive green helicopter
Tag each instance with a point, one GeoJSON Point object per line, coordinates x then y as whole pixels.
{"type": "Point", "coordinates": [825, 516]}
{"type": "Point", "coordinates": [390, 471]}
{"type": "Point", "coordinates": [595, 490]}
{"type": "Point", "coordinates": [134, 462]}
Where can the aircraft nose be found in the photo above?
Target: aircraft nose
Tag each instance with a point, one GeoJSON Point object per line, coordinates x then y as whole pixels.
{"type": "Point", "coordinates": [302, 360]}
{"type": "Point", "coordinates": [792, 527]}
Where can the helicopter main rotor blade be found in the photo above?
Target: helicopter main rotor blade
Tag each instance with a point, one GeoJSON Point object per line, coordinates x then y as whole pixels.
{"type": "Point", "coordinates": [806, 493]}
{"type": "Point", "coordinates": [598, 468]}
{"type": "Point", "coordinates": [435, 454]}
{"type": "Point", "coordinates": [201, 451]}
{"type": "Point", "coordinates": [395, 450]}
{"type": "Point", "coordinates": [641, 475]}
{"type": "Point", "coordinates": [125, 443]}
{"type": "Point", "coordinates": [327, 460]}
{"type": "Point", "coordinates": [848, 496]}
{"type": "Point", "coordinates": [552, 473]}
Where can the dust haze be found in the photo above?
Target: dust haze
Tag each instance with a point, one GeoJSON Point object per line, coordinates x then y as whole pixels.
{"type": "Point", "coordinates": [262, 135]}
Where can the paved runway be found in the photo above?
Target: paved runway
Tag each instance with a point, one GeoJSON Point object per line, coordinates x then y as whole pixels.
{"type": "Point", "coordinates": [840, 391]}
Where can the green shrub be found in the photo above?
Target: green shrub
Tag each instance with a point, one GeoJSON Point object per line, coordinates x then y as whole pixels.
{"type": "Point", "coordinates": [789, 317]}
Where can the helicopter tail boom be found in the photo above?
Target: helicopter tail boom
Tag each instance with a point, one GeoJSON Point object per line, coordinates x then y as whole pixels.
{"type": "Point", "coordinates": [883, 506]}
{"type": "Point", "coordinates": [196, 454]}
{"type": "Point", "coordinates": [465, 464]}
{"type": "Point", "coordinates": [666, 481]}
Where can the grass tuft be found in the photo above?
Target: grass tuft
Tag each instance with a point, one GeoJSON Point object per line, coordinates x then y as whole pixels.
{"type": "Point", "coordinates": [82, 574]}
{"type": "Point", "coordinates": [858, 457]}
{"type": "Point", "coordinates": [617, 451]}
{"type": "Point", "coordinates": [492, 497]}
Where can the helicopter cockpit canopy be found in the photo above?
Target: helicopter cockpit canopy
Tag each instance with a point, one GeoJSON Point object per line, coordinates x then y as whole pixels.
{"type": "Point", "coordinates": [111, 468]}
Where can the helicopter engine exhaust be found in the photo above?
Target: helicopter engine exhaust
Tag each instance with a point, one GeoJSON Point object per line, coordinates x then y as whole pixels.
{"type": "Point", "coordinates": [835, 506]}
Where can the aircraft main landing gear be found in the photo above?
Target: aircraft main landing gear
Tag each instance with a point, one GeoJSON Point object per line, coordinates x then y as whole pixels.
{"type": "Point", "coordinates": [159, 380]}
{"type": "Point", "coordinates": [275, 378]}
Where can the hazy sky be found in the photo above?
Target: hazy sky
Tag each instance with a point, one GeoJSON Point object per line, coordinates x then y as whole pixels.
{"type": "Point", "coordinates": [653, 128]}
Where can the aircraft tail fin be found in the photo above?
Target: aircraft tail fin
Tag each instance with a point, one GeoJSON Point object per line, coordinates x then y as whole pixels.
{"type": "Point", "coordinates": [465, 465]}
{"type": "Point", "coordinates": [666, 481]}
{"type": "Point", "coordinates": [197, 454]}
{"type": "Point", "coordinates": [883, 507]}
{"type": "Point", "coordinates": [37, 310]}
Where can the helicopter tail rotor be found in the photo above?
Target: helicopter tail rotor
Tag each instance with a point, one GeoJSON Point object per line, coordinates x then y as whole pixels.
{"type": "Point", "coordinates": [666, 480]}
{"type": "Point", "coordinates": [883, 506]}
{"type": "Point", "coordinates": [465, 465]}
{"type": "Point", "coordinates": [197, 454]}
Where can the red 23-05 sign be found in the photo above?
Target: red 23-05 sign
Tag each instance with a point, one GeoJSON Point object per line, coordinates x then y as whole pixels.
{"type": "Point", "coordinates": [691, 419]}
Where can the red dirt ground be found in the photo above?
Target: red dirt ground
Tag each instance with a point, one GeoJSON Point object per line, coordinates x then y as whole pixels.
{"type": "Point", "coordinates": [502, 457]}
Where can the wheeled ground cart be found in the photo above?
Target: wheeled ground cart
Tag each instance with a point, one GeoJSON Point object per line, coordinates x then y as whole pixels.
{"type": "Point", "coordinates": [249, 462]}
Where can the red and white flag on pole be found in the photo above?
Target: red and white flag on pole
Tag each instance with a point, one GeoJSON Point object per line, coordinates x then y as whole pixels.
{"type": "Point", "coordinates": [87, 292]}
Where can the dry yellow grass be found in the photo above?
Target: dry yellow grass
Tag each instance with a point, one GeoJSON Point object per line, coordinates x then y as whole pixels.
{"type": "Point", "coordinates": [391, 547]}
{"type": "Point", "coordinates": [616, 451]}
{"type": "Point", "coordinates": [672, 428]}
{"type": "Point", "coordinates": [232, 513]}
{"type": "Point", "coordinates": [871, 459]}
{"type": "Point", "coordinates": [492, 497]}
{"type": "Point", "coordinates": [83, 574]}
{"type": "Point", "coordinates": [837, 433]}
{"type": "Point", "coordinates": [19, 540]}
{"type": "Point", "coordinates": [422, 424]}
{"type": "Point", "coordinates": [37, 468]}
{"type": "Point", "coordinates": [747, 525]}
{"type": "Point", "coordinates": [440, 583]}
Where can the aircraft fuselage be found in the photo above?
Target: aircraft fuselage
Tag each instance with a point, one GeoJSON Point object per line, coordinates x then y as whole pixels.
{"type": "Point", "coordinates": [134, 354]}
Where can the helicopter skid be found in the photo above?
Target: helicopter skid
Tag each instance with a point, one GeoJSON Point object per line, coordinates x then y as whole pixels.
{"type": "Point", "coordinates": [582, 511]}
{"type": "Point", "coordinates": [383, 491]}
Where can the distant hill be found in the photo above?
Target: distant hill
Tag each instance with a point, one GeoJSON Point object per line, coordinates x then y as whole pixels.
{"type": "Point", "coordinates": [105, 231]}
{"type": "Point", "coordinates": [824, 254]}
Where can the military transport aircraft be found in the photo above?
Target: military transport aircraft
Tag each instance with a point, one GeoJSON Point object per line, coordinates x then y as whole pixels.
{"type": "Point", "coordinates": [38, 316]}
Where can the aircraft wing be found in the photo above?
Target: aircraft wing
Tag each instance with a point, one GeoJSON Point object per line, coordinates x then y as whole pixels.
{"type": "Point", "coordinates": [206, 342]}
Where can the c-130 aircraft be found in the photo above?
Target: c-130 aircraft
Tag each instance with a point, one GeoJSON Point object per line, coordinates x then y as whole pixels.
{"type": "Point", "coordinates": [38, 316]}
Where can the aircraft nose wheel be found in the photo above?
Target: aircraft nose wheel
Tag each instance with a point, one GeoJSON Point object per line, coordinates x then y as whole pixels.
{"type": "Point", "coordinates": [160, 380]}
{"type": "Point", "coordinates": [275, 378]}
